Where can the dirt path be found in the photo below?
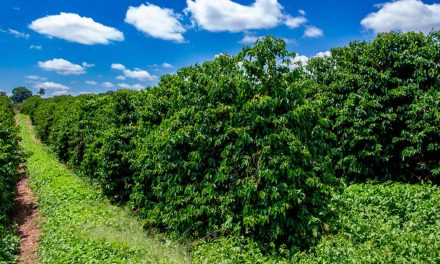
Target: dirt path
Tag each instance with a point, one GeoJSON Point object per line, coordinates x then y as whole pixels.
{"type": "Point", "coordinates": [27, 216]}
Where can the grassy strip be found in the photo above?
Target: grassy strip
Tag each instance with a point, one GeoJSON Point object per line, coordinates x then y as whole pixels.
{"type": "Point", "coordinates": [79, 225]}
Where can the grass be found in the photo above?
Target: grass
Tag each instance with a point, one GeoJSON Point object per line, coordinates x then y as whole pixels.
{"type": "Point", "coordinates": [383, 223]}
{"type": "Point", "coordinates": [79, 224]}
{"type": "Point", "coordinates": [374, 223]}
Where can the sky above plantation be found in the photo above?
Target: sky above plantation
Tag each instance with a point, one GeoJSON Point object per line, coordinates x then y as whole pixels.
{"type": "Point", "coordinates": [74, 47]}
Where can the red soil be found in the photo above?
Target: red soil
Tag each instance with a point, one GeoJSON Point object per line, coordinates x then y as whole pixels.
{"type": "Point", "coordinates": [27, 216]}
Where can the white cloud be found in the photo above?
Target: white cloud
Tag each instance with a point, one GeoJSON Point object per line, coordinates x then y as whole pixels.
{"type": "Point", "coordinates": [35, 79]}
{"type": "Point", "coordinates": [62, 66]}
{"type": "Point", "coordinates": [58, 93]}
{"type": "Point", "coordinates": [323, 54]}
{"type": "Point", "coordinates": [118, 66]}
{"type": "Point", "coordinates": [133, 86]}
{"type": "Point", "coordinates": [299, 61]}
{"type": "Point", "coordinates": [156, 22]}
{"type": "Point", "coordinates": [294, 22]}
{"type": "Point", "coordinates": [249, 39]}
{"type": "Point", "coordinates": [18, 34]}
{"type": "Point", "coordinates": [120, 77]}
{"type": "Point", "coordinates": [52, 86]}
{"type": "Point", "coordinates": [107, 84]}
{"type": "Point", "coordinates": [302, 12]}
{"type": "Point", "coordinates": [302, 60]}
{"type": "Point", "coordinates": [167, 65]}
{"type": "Point", "coordinates": [404, 15]}
{"type": "Point", "coordinates": [139, 74]}
{"type": "Point", "coordinates": [313, 32]}
{"type": "Point", "coordinates": [74, 28]}
{"type": "Point", "coordinates": [91, 82]}
{"type": "Point", "coordinates": [87, 65]}
{"type": "Point", "coordinates": [35, 47]}
{"type": "Point", "coordinates": [55, 88]}
{"type": "Point", "coordinates": [226, 15]}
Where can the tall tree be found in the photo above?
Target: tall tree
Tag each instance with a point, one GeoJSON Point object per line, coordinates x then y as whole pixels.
{"type": "Point", "coordinates": [19, 94]}
{"type": "Point", "coordinates": [42, 91]}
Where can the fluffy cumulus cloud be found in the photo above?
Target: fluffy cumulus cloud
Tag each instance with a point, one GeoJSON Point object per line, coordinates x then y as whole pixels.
{"type": "Point", "coordinates": [139, 74]}
{"type": "Point", "coordinates": [74, 28]}
{"type": "Point", "coordinates": [54, 88]}
{"type": "Point", "coordinates": [313, 32]}
{"type": "Point", "coordinates": [64, 67]}
{"type": "Point", "coordinates": [118, 66]}
{"type": "Point", "coordinates": [294, 22]}
{"type": "Point", "coordinates": [404, 15]}
{"type": "Point", "coordinates": [156, 22]}
{"type": "Point", "coordinates": [226, 15]}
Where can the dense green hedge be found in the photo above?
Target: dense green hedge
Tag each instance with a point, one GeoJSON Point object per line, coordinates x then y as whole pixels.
{"type": "Point", "coordinates": [227, 147]}
{"type": "Point", "coordinates": [236, 151]}
{"type": "Point", "coordinates": [10, 157]}
{"type": "Point", "coordinates": [382, 98]}
{"type": "Point", "coordinates": [247, 145]}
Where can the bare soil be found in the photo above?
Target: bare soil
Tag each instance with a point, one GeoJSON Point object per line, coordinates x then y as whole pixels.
{"type": "Point", "coordinates": [27, 217]}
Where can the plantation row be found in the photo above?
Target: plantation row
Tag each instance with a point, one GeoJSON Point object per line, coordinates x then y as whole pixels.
{"type": "Point", "coordinates": [253, 146]}
{"type": "Point", "coordinates": [10, 154]}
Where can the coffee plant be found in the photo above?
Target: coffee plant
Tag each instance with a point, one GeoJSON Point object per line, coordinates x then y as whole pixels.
{"type": "Point", "coordinates": [249, 146]}
{"type": "Point", "coordinates": [382, 99]}
{"type": "Point", "coordinates": [10, 157]}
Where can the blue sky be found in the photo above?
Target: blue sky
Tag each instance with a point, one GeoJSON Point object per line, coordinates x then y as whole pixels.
{"type": "Point", "coordinates": [73, 47]}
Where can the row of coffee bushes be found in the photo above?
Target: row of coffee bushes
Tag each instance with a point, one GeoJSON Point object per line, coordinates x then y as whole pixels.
{"type": "Point", "coordinates": [382, 99]}
{"type": "Point", "coordinates": [10, 157]}
{"type": "Point", "coordinates": [227, 147]}
{"type": "Point", "coordinates": [91, 134]}
{"type": "Point", "coordinates": [249, 144]}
